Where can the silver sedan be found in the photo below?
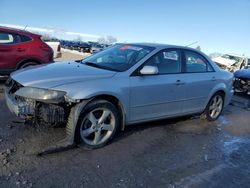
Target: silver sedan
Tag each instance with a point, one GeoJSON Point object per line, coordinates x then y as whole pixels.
{"type": "Point", "coordinates": [122, 85]}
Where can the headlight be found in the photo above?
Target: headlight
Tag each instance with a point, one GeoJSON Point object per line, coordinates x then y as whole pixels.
{"type": "Point", "coordinates": [41, 94]}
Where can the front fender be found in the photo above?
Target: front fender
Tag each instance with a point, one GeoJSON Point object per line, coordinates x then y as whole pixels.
{"type": "Point", "coordinates": [116, 87]}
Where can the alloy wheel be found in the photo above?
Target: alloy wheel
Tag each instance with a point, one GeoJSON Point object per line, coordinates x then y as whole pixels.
{"type": "Point", "coordinates": [97, 126]}
{"type": "Point", "coordinates": [216, 106]}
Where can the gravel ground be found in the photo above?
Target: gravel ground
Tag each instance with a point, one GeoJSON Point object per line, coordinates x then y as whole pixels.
{"type": "Point", "coordinates": [183, 152]}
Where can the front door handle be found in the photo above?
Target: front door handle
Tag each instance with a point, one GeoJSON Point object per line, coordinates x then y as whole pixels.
{"type": "Point", "coordinates": [4, 50]}
{"type": "Point", "coordinates": [179, 82]}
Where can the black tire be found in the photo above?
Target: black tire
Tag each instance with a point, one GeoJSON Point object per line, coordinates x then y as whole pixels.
{"type": "Point", "coordinates": [207, 112]}
{"type": "Point", "coordinates": [28, 64]}
{"type": "Point", "coordinates": [91, 107]}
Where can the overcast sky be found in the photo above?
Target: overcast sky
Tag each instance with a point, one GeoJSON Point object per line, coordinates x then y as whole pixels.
{"type": "Point", "coordinates": [217, 25]}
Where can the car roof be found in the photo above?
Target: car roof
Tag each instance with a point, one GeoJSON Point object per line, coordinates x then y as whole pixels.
{"type": "Point", "coordinates": [14, 30]}
{"type": "Point", "coordinates": [159, 45]}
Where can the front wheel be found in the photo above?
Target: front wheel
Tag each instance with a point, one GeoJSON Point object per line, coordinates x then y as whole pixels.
{"type": "Point", "coordinates": [214, 107]}
{"type": "Point", "coordinates": [97, 124]}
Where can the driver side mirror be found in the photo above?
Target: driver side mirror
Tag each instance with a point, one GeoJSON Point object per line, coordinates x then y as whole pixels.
{"type": "Point", "coordinates": [149, 70]}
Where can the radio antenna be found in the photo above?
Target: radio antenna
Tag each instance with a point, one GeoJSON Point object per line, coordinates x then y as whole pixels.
{"type": "Point", "coordinates": [25, 27]}
{"type": "Point", "coordinates": [192, 44]}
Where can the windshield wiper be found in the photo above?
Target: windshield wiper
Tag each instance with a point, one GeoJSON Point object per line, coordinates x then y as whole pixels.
{"type": "Point", "coordinates": [78, 61]}
{"type": "Point", "coordinates": [99, 66]}
{"type": "Point", "coordinates": [92, 64]}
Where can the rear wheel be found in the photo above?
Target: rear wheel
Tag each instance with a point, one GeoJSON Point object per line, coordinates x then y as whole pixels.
{"type": "Point", "coordinates": [214, 107]}
{"type": "Point", "coordinates": [97, 124]}
{"type": "Point", "coordinates": [27, 64]}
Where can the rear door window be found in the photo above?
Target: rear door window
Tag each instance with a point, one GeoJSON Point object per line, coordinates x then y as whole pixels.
{"type": "Point", "coordinates": [25, 38]}
{"type": "Point", "coordinates": [196, 63]}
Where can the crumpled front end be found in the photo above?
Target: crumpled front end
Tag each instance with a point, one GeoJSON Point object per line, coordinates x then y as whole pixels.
{"type": "Point", "coordinates": [242, 80]}
{"type": "Point", "coordinates": [31, 109]}
{"type": "Point", "coordinates": [18, 105]}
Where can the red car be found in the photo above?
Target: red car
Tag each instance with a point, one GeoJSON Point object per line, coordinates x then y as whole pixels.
{"type": "Point", "coordinates": [19, 49]}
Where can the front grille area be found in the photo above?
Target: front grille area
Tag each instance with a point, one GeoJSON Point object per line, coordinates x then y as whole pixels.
{"type": "Point", "coordinates": [50, 114]}
{"type": "Point", "coordinates": [42, 113]}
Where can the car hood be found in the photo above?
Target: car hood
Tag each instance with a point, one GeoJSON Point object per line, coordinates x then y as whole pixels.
{"type": "Point", "coordinates": [243, 73]}
{"type": "Point", "coordinates": [224, 61]}
{"type": "Point", "coordinates": [57, 74]}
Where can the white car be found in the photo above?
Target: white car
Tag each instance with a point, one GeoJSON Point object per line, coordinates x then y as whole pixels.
{"type": "Point", "coordinates": [56, 47]}
{"type": "Point", "coordinates": [231, 62]}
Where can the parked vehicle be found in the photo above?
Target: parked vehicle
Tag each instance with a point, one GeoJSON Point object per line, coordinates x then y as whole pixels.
{"type": "Point", "coordinates": [231, 62]}
{"type": "Point", "coordinates": [242, 80]}
{"type": "Point", "coordinates": [121, 85]}
{"type": "Point", "coordinates": [78, 46]}
{"type": "Point", "coordinates": [96, 47]}
{"type": "Point", "coordinates": [56, 47]}
{"type": "Point", "coordinates": [65, 44]}
{"type": "Point", "coordinates": [88, 47]}
{"type": "Point", "coordinates": [19, 49]}
{"type": "Point", "coordinates": [84, 47]}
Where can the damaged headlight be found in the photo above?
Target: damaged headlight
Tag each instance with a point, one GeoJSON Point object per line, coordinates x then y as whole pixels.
{"type": "Point", "coordinates": [41, 94]}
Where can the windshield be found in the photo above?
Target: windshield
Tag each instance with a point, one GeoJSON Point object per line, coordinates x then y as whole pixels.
{"type": "Point", "coordinates": [119, 57]}
{"type": "Point", "coordinates": [236, 59]}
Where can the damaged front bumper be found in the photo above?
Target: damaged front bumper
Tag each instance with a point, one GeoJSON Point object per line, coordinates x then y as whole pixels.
{"type": "Point", "coordinates": [20, 107]}
{"type": "Point", "coordinates": [45, 113]}
{"type": "Point", "coordinates": [14, 107]}
{"type": "Point", "coordinates": [40, 112]}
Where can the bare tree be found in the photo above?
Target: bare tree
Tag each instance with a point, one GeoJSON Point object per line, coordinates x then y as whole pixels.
{"type": "Point", "coordinates": [111, 40]}
{"type": "Point", "coordinates": [214, 55]}
{"type": "Point", "coordinates": [107, 40]}
{"type": "Point", "coordinates": [46, 37]}
{"type": "Point", "coordinates": [101, 40]}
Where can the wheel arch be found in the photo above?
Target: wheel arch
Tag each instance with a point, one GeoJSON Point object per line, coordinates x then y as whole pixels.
{"type": "Point", "coordinates": [222, 92]}
{"type": "Point", "coordinates": [206, 114]}
{"type": "Point", "coordinates": [22, 62]}
{"type": "Point", "coordinates": [213, 92]}
{"type": "Point", "coordinates": [114, 100]}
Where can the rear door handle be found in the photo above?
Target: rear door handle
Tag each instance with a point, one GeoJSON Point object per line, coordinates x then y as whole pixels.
{"type": "Point", "coordinates": [213, 78]}
{"type": "Point", "coordinates": [20, 49]}
{"type": "Point", "coordinates": [179, 82]}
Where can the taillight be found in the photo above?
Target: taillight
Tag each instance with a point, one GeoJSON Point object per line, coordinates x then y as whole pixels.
{"type": "Point", "coordinates": [59, 48]}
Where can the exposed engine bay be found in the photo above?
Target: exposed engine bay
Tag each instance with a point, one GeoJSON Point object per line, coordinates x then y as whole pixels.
{"type": "Point", "coordinates": [242, 85]}
{"type": "Point", "coordinates": [242, 81]}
